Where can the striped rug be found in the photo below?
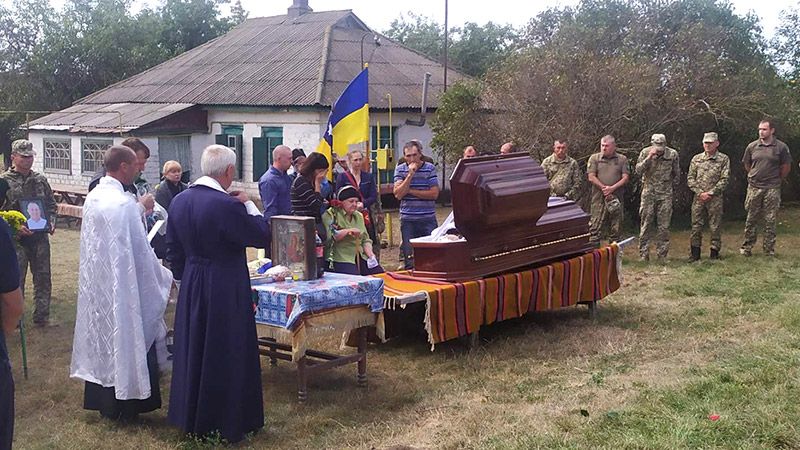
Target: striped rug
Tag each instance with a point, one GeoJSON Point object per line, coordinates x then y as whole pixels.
{"type": "Point", "coordinates": [458, 309]}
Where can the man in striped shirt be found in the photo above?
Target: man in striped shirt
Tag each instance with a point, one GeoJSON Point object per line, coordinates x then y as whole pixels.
{"type": "Point", "coordinates": [417, 187]}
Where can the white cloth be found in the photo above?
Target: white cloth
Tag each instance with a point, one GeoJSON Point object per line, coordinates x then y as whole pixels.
{"type": "Point", "coordinates": [207, 181]}
{"type": "Point", "coordinates": [122, 296]}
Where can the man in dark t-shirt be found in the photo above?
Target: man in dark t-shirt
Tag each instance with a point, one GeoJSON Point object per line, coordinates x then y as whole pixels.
{"type": "Point", "coordinates": [10, 312]}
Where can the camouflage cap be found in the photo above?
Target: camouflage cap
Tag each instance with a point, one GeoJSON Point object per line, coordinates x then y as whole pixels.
{"type": "Point", "coordinates": [22, 147]}
{"type": "Point", "coordinates": [710, 137]}
{"type": "Point", "coordinates": [659, 139]}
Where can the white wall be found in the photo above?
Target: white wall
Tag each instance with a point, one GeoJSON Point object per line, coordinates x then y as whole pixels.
{"type": "Point", "coordinates": [77, 177]}
{"type": "Point", "coordinates": [300, 129]}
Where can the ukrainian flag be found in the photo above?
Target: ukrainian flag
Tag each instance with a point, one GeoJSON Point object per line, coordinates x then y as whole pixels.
{"type": "Point", "coordinates": [348, 122]}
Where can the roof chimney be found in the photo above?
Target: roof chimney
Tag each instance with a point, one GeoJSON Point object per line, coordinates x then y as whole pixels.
{"type": "Point", "coordinates": [298, 8]}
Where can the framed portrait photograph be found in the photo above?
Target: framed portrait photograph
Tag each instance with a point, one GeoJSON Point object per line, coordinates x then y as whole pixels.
{"type": "Point", "coordinates": [34, 212]}
{"type": "Point", "coordinates": [293, 245]}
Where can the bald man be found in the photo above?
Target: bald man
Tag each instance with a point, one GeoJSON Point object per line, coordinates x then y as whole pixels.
{"type": "Point", "coordinates": [470, 152]}
{"type": "Point", "coordinates": [508, 147]}
{"type": "Point", "coordinates": [274, 186]}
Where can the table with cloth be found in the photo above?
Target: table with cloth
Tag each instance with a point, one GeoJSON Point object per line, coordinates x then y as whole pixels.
{"type": "Point", "coordinates": [459, 309]}
{"type": "Point", "coordinates": [289, 312]}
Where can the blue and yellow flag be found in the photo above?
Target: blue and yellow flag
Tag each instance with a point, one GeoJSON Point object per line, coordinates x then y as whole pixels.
{"type": "Point", "coordinates": [348, 122]}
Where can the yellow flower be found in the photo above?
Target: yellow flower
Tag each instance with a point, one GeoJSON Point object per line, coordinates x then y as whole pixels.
{"type": "Point", "coordinates": [15, 219]}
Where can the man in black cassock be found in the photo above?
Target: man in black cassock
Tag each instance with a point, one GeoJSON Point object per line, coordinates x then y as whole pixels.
{"type": "Point", "coordinates": [216, 377]}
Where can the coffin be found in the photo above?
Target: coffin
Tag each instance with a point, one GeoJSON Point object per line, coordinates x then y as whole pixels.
{"type": "Point", "coordinates": [503, 211]}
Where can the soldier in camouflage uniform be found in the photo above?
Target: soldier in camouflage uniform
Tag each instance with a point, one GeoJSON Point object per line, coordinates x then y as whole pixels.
{"type": "Point", "coordinates": [767, 162]}
{"type": "Point", "coordinates": [708, 177]}
{"type": "Point", "coordinates": [563, 173]}
{"type": "Point", "coordinates": [608, 172]}
{"type": "Point", "coordinates": [32, 248]}
{"type": "Point", "coordinates": [659, 167]}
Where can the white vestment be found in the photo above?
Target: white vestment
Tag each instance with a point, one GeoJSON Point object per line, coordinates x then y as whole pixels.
{"type": "Point", "coordinates": [122, 295]}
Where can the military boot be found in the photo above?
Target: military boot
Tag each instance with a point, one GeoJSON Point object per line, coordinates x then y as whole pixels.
{"type": "Point", "coordinates": [696, 254]}
{"type": "Point", "coordinates": [714, 254]}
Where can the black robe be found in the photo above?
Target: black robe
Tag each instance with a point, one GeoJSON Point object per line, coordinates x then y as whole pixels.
{"type": "Point", "coordinates": [216, 376]}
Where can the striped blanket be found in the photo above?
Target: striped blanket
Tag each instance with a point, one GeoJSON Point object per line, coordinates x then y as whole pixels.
{"type": "Point", "coordinates": [458, 309]}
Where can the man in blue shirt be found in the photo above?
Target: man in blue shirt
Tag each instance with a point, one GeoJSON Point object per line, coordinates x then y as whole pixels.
{"type": "Point", "coordinates": [275, 185]}
{"type": "Point", "coordinates": [10, 312]}
{"type": "Point", "coordinates": [417, 187]}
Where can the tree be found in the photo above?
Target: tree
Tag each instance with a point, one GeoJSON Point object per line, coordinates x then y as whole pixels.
{"type": "Point", "coordinates": [50, 58]}
{"type": "Point", "coordinates": [189, 23]}
{"type": "Point", "coordinates": [472, 49]}
{"type": "Point", "coordinates": [632, 69]}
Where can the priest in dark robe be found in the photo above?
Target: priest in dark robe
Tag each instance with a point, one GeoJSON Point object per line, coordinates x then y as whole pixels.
{"type": "Point", "coordinates": [216, 377]}
{"type": "Point", "coordinates": [122, 294]}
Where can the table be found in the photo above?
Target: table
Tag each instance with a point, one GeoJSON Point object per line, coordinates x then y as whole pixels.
{"type": "Point", "coordinates": [288, 312]}
{"type": "Point", "coordinates": [69, 201]}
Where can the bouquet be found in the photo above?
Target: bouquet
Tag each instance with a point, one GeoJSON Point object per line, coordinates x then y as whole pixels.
{"type": "Point", "coordinates": [15, 219]}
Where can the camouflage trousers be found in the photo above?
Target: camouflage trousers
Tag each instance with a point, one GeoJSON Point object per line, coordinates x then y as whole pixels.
{"type": "Point", "coordinates": [709, 212]}
{"type": "Point", "coordinates": [34, 251]}
{"type": "Point", "coordinates": [761, 205]}
{"type": "Point", "coordinates": [656, 213]}
{"type": "Point", "coordinates": [603, 223]}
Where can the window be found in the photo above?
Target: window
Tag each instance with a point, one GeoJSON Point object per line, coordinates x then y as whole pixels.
{"type": "Point", "coordinates": [231, 137]}
{"type": "Point", "coordinates": [387, 137]}
{"type": "Point", "coordinates": [384, 139]}
{"type": "Point", "coordinates": [270, 138]}
{"type": "Point", "coordinates": [57, 156]}
{"type": "Point", "coordinates": [92, 151]}
{"type": "Point", "coordinates": [175, 148]}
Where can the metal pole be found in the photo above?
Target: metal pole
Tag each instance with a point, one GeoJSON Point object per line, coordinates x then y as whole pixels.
{"type": "Point", "coordinates": [24, 347]}
{"type": "Point", "coordinates": [444, 163]}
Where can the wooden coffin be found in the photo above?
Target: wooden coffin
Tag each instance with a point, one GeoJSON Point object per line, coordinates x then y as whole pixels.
{"type": "Point", "coordinates": [502, 208]}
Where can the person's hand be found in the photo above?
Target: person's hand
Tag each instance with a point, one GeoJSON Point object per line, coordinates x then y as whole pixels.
{"type": "Point", "coordinates": [653, 153]}
{"type": "Point", "coordinates": [355, 232]}
{"type": "Point", "coordinates": [24, 231]}
{"type": "Point", "coordinates": [705, 196]}
{"type": "Point", "coordinates": [148, 202]}
{"type": "Point", "coordinates": [607, 190]}
{"type": "Point", "coordinates": [240, 195]}
{"type": "Point", "coordinates": [320, 176]}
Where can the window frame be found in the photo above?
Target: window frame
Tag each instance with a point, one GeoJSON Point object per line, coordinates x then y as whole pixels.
{"type": "Point", "coordinates": [46, 157]}
{"type": "Point", "coordinates": [98, 162]}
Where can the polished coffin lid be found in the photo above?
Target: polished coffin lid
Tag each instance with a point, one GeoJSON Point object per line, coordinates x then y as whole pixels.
{"type": "Point", "coordinates": [502, 207]}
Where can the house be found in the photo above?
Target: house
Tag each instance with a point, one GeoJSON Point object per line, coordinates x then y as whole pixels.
{"type": "Point", "coordinates": [269, 81]}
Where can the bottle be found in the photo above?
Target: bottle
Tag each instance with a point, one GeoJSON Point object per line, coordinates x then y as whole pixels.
{"type": "Point", "coordinates": [320, 249]}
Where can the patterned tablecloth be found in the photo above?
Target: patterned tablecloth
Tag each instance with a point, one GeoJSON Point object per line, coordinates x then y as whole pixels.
{"type": "Point", "coordinates": [289, 311]}
{"type": "Point", "coordinates": [284, 304]}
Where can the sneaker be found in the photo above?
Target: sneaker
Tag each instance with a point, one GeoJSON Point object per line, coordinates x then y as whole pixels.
{"type": "Point", "coordinates": [745, 252]}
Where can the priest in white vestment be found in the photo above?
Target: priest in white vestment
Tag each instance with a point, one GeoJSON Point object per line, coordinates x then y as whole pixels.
{"type": "Point", "coordinates": [122, 295]}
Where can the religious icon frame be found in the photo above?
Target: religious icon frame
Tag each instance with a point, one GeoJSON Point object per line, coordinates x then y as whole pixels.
{"type": "Point", "coordinates": [24, 204]}
{"type": "Point", "coordinates": [293, 245]}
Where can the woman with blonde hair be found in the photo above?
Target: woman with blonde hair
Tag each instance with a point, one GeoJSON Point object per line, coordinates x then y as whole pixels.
{"type": "Point", "coordinates": [171, 185]}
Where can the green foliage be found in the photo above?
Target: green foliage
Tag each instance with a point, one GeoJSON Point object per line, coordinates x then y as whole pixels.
{"type": "Point", "coordinates": [632, 69]}
{"type": "Point", "coordinates": [49, 58]}
{"type": "Point", "coordinates": [472, 49]}
{"type": "Point", "coordinates": [458, 121]}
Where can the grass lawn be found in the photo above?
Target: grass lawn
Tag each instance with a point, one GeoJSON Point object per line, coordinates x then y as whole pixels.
{"type": "Point", "coordinates": [675, 345]}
